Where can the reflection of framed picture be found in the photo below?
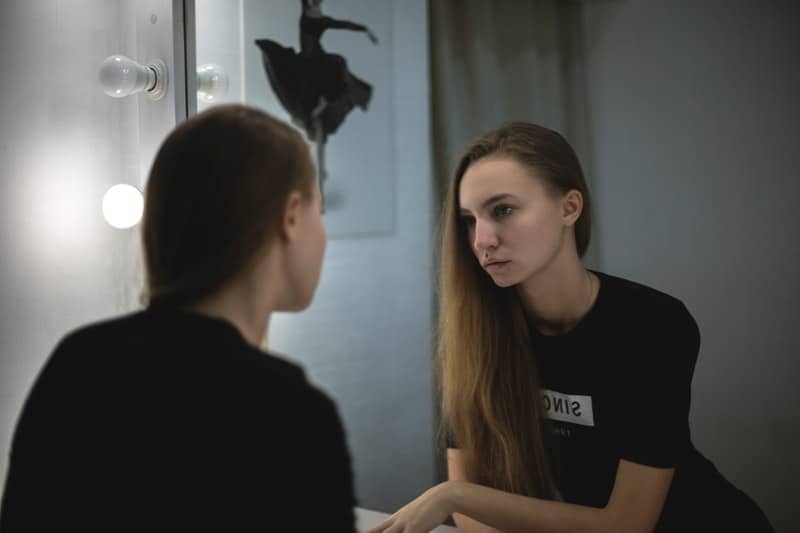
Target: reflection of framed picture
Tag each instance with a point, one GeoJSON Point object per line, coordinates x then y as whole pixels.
{"type": "Point", "coordinates": [359, 186]}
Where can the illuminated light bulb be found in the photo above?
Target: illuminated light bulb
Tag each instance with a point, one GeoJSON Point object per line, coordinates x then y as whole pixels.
{"type": "Point", "coordinates": [123, 206]}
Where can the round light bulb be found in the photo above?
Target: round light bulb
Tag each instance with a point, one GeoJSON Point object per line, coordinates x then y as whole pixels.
{"type": "Point", "coordinates": [212, 83]}
{"type": "Point", "coordinates": [121, 76]}
{"type": "Point", "coordinates": [123, 206]}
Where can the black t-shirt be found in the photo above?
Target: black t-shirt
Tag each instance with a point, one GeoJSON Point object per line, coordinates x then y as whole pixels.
{"type": "Point", "coordinates": [618, 386]}
{"type": "Point", "coordinates": [169, 420]}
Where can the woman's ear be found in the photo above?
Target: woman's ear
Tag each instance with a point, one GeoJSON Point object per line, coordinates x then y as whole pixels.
{"type": "Point", "coordinates": [291, 216]}
{"type": "Point", "coordinates": [571, 206]}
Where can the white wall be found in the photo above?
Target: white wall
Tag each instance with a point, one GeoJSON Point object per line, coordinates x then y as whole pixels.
{"type": "Point", "coordinates": [366, 338]}
{"type": "Point", "coordinates": [695, 128]}
{"type": "Point", "coordinates": [63, 142]}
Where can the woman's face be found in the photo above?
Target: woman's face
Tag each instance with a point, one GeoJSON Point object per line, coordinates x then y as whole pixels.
{"type": "Point", "coordinates": [516, 226]}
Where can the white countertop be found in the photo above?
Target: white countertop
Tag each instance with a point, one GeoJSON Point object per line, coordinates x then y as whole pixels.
{"type": "Point", "coordinates": [366, 519]}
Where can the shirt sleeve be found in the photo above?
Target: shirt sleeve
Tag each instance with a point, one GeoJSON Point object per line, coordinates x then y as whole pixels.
{"type": "Point", "coordinates": [656, 414]}
{"type": "Point", "coordinates": [328, 467]}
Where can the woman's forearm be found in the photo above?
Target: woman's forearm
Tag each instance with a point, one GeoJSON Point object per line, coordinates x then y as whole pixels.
{"type": "Point", "coordinates": [512, 512]}
{"type": "Point", "coordinates": [466, 524]}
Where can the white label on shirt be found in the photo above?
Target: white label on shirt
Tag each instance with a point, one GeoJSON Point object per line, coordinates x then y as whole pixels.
{"type": "Point", "coordinates": [568, 408]}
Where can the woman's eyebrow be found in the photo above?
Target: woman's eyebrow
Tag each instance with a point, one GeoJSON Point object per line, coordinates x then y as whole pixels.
{"type": "Point", "coordinates": [489, 201]}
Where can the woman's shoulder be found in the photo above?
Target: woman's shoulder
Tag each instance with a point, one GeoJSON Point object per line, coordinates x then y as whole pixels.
{"type": "Point", "coordinates": [288, 382]}
{"type": "Point", "coordinates": [96, 336]}
{"type": "Point", "coordinates": [646, 309]}
{"type": "Point", "coordinates": [637, 295]}
{"type": "Point", "coordinates": [173, 338]}
{"type": "Point", "coordinates": [278, 368]}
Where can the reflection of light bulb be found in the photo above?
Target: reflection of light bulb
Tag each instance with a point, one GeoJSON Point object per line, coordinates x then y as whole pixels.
{"type": "Point", "coordinates": [123, 206]}
{"type": "Point", "coordinates": [212, 83]}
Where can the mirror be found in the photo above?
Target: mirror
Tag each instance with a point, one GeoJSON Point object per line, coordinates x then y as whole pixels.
{"type": "Point", "coordinates": [684, 118]}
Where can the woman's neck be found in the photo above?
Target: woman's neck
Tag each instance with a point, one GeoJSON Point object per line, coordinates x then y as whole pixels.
{"type": "Point", "coordinates": [556, 299]}
{"type": "Point", "coordinates": [235, 304]}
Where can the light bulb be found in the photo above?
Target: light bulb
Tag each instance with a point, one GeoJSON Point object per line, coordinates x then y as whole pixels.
{"type": "Point", "coordinates": [212, 83]}
{"type": "Point", "coordinates": [121, 76]}
{"type": "Point", "coordinates": [123, 206]}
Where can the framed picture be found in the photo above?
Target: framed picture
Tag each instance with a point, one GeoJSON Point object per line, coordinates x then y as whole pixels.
{"type": "Point", "coordinates": [326, 68]}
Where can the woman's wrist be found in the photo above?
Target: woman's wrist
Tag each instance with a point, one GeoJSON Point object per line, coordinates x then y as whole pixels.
{"type": "Point", "coordinates": [451, 495]}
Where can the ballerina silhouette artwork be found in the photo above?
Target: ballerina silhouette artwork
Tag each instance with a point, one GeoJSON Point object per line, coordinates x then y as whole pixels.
{"type": "Point", "coordinates": [315, 87]}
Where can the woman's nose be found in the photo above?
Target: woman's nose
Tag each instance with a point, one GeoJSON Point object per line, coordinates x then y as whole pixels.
{"type": "Point", "coordinates": [485, 237]}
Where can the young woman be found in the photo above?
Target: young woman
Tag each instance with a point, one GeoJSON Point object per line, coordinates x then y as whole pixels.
{"type": "Point", "coordinates": [172, 418]}
{"type": "Point", "coordinates": [565, 391]}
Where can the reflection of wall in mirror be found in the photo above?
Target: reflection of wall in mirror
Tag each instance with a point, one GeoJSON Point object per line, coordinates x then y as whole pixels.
{"type": "Point", "coordinates": [359, 157]}
{"type": "Point", "coordinates": [218, 41]}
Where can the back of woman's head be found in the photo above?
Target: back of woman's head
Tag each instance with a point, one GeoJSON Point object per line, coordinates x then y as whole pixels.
{"type": "Point", "coordinates": [215, 199]}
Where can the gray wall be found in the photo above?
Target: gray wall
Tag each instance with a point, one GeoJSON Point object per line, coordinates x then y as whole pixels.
{"type": "Point", "coordinates": [695, 128]}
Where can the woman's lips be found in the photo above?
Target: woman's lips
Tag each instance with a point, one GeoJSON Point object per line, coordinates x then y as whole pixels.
{"type": "Point", "coordinates": [496, 266]}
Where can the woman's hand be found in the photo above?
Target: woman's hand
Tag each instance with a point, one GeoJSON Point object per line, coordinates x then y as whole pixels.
{"type": "Point", "coordinates": [425, 513]}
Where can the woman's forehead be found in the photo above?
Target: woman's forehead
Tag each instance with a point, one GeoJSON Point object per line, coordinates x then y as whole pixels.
{"type": "Point", "coordinates": [487, 178]}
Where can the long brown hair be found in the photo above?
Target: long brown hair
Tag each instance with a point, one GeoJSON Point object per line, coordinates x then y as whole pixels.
{"type": "Point", "coordinates": [487, 375]}
{"type": "Point", "coordinates": [215, 198]}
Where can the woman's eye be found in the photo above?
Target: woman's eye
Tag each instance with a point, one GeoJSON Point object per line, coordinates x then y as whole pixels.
{"type": "Point", "coordinates": [468, 221]}
{"type": "Point", "coordinates": [502, 211]}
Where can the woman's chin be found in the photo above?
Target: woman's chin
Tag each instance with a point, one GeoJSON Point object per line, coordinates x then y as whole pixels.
{"type": "Point", "coordinates": [504, 281]}
{"type": "Point", "coordinates": [295, 305]}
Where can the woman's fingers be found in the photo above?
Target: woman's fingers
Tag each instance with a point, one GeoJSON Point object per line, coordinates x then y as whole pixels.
{"type": "Point", "coordinates": [382, 527]}
{"type": "Point", "coordinates": [398, 527]}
